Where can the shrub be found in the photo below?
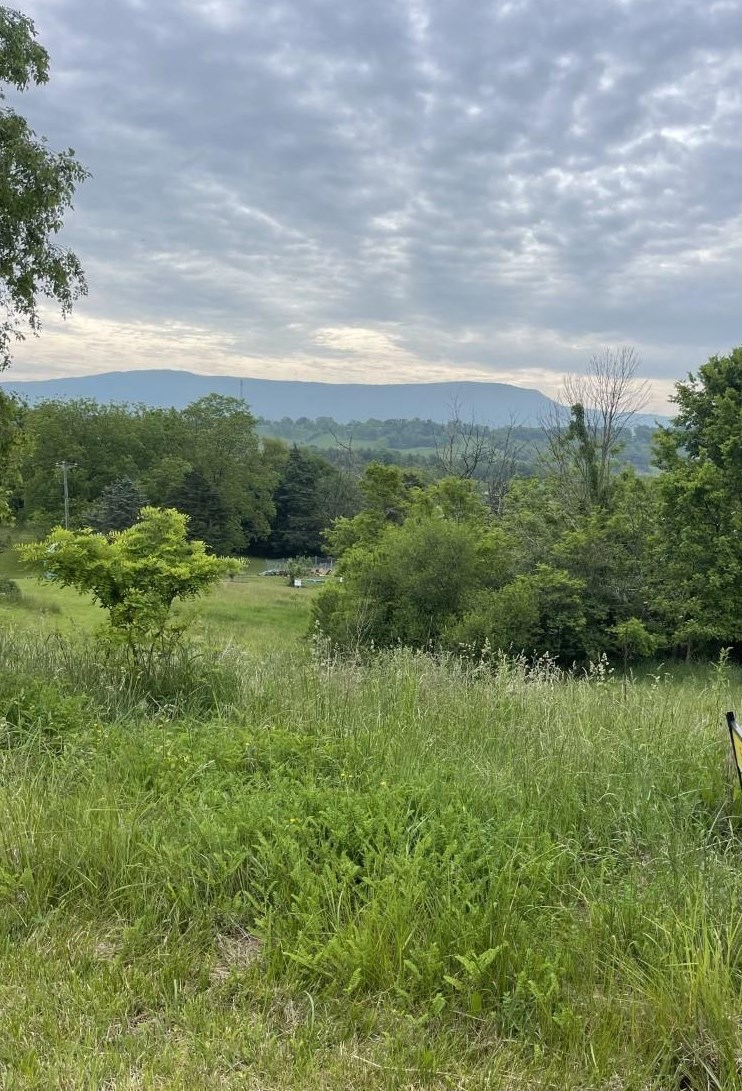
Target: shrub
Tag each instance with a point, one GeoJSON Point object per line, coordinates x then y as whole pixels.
{"type": "Point", "coordinates": [9, 590]}
{"type": "Point", "coordinates": [135, 574]}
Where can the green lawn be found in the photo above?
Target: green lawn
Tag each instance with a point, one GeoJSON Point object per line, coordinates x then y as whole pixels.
{"type": "Point", "coordinates": [257, 612]}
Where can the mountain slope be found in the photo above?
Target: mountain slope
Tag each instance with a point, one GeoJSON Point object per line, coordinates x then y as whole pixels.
{"type": "Point", "coordinates": [488, 403]}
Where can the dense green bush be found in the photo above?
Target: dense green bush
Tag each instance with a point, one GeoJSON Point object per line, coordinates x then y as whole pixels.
{"type": "Point", "coordinates": [539, 613]}
{"type": "Point", "coordinates": [135, 575]}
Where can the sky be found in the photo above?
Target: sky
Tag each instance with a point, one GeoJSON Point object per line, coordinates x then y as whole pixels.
{"type": "Point", "coordinates": [396, 190]}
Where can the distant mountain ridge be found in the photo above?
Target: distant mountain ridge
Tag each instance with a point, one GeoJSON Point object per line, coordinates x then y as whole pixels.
{"type": "Point", "coordinates": [495, 404]}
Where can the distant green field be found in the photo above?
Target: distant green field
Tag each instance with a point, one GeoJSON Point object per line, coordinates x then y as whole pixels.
{"type": "Point", "coordinates": [326, 441]}
{"type": "Point", "coordinates": [253, 611]}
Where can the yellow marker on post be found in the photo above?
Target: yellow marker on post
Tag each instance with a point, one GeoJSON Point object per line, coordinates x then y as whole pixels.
{"type": "Point", "coordinates": [735, 734]}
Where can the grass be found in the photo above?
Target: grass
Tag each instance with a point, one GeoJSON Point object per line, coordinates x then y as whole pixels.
{"type": "Point", "coordinates": [263, 614]}
{"type": "Point", "coordinates": [265, 869]}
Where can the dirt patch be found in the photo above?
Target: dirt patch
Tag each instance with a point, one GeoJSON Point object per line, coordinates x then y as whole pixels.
{"type": "Point", "coordinates": [238, 951]}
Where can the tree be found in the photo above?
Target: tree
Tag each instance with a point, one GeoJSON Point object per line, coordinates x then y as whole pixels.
{"type": "Point", "coordinates": [36, 188]}
{"type": "Point", "coordinates": [13, 442]}
{"type": "Point", "coordinates": [103, 441]}
{"type": "Point", "coordinates": [119, 506]}
{"type": "Point", "coordinates": [222, 445]}
{"type": "Point", "coordinates": [700, 522]}
{"type": "Point", "coordinates": [208, 516]}
{"type": "Point", "coordinates": [409, 581]}
{"type": "Point", "coordinates": [310, 495]}
{"type": "Point", "coordinates": [464, 447]}
{"type": "Point", "coordinates": [584, 446]}
{"type": "Point", "coordinates": [474, 452]}
{"type": "Point", "coordinates": [214, 438]}
{"type": "Point", "coordinates": [613, 552]}
{"type": "Point", "coordinates": [298, 524]}
{"type": "Point", "coordinates": [135, 575]}
{"type": "Point", "coordinates": [634, 640]}
{"type": "Point", "coordinates": [385, 492]}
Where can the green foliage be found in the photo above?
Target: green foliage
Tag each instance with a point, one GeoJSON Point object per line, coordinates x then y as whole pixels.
{"type": "Point", "coordinates": [9, 590]}
{"type": "Point", "coordinates": [219, 433]}
{"type": "Point", "coordinates": [700, 523]}
{"type": "Point", "coordinates": [419, 442]}
{"type": "Point", "coordinates": [541, 613]}
{"type": "Point", "coordinates": [135, 574]}
{"type": "Point", "coordinates": [408, 581]}
{"type": "Point", "coordinates": [386, 494]}
{"type": "Point", "coordinates": [206, 461]}
{"type": "Point", "coordinates": [634, 639]}
{"type": "Point", "coordinates": [13, 442]}
{"type": "Point", "coordinates": [36, 188]}
{"type": "Point", "coordinates": [105, 443]}
{"type": "Point", "coordinates": [307, 499]}
{"type": "Point", "coordinates": [209, 516]}
{"type": "Point", "coordinates": [118, 508]}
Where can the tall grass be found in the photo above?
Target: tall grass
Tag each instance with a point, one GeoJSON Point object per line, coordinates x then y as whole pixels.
{"type": "Point", "coordinates": [465, 875]}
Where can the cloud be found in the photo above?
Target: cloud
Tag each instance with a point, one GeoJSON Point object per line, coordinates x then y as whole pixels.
{"type": "Point", "coordinates": [397, 190]}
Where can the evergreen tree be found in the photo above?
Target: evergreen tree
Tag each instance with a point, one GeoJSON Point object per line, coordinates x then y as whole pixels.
{"type": "Point", "coordinates": [298, 524]}
{"type": "Point", "coordinates": [209, 517]}
{"type": "Point", "coordinates": [118, 508]}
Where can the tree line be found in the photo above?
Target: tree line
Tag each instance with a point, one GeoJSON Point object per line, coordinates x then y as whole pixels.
{"type": "Point", "coordinates": [584, 556]}
{"type": "Point", "coordinates": [424, 443]}
{"type": "Point", "coordinates": [587, 558]}
{"type": "Point", "coordinates": [240, 491]}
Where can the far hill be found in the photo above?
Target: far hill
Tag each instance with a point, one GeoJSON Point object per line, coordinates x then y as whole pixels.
{"type": "Point", "coordinates": [495, 404]}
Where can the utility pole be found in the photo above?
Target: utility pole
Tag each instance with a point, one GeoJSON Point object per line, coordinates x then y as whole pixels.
{"type": "Point", "coordinates": [65, 466]}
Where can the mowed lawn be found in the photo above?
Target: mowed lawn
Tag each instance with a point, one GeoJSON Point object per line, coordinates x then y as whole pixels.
{"type": "Point", "coordinates": [253, 611]}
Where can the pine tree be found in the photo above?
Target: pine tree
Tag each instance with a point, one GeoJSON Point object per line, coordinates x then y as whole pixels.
{"type": "Point", "coordinates": [118, 508]}
{"type": "Point", "coordinates": [298, 524]}
{"type": "Point", "coordinates": [209, 518]}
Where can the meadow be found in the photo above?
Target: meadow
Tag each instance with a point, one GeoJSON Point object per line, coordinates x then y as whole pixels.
{"type": "Point", "coordinates": [261, 867]}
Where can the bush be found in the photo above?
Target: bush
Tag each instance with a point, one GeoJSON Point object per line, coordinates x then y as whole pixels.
{"type": "Point", "coordinates": [535, 614]}
{"type": "Point", "coordinates": [135, 574]}
{"type": "Point", "coordinates": [412, 584]}
{"type": "Point", "coordinates": [9, 590]}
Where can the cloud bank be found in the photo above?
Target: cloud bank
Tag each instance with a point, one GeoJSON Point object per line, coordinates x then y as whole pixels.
{"type": "Point", "coordinates": [396, 191]}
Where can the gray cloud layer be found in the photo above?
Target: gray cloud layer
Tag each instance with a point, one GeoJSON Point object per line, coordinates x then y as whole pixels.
{"type": "Point", "coordinates": [397, 189]}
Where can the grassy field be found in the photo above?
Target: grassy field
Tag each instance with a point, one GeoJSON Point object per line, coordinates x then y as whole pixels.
{"type": "Point", "coordinates": [265, 869]}
{"type": "Point", "coordinates": [256, 613]}
{"type": "Point", "coordinates": [261, 613]}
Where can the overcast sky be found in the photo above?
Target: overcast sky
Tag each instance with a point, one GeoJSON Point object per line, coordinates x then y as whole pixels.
{"type": "Point", "coordinates": [396, 190]}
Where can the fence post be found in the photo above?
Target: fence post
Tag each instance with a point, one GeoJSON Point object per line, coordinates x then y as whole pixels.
{"type": "Point", "coordinates": [735, 737]}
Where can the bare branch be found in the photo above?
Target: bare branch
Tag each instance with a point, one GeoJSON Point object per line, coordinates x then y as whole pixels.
{"type": "Point", "coordinates": [602, 403]}
{"type": "Point", "coordinates": [465, 447]}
